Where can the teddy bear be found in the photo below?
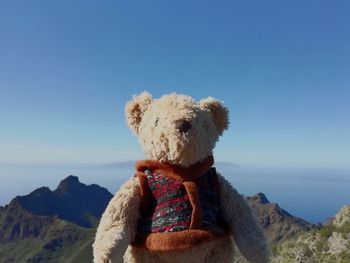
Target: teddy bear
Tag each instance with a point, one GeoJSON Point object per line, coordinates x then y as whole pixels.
{"type": "Point", "coordinates": [177, 207]}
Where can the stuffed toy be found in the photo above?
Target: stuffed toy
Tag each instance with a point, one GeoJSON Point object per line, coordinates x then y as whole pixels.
{"type": "Point", "coordinates": [177, 207]}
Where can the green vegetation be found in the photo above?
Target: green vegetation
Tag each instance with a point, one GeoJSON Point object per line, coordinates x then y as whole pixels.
{"type": "Point", "coordinates": [329, 244]}
{"type": "Point", "coordinates": [52, 226]}
{"type": "Point", "coordinates": [26, 237]}
{"type": "Point", "coordinates": [70, 245]}
{"type": "Point", "coordinates": [37, 228]}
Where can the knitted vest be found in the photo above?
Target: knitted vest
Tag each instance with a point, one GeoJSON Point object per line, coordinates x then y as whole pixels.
{"type": "Point", "coordinates": [179, 206]}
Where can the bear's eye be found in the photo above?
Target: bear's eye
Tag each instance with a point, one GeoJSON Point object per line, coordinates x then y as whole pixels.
{"type": "Point", "coordinates": [156, 122]}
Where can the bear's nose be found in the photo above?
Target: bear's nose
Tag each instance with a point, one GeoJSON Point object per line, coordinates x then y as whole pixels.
{"type": "Point", "coordinates": [184, 126]}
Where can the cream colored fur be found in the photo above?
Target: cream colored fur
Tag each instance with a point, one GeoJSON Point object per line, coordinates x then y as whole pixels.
{"type": "Point", "coordinates": [156, 123]}
{"type": "Point", "coordinates": [118, 224]}
{"type": "Point", "coordinates": [248, 235]}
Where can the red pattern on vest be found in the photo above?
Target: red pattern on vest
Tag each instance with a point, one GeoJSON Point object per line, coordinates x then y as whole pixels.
{"type": "Point", "coordinates": [170, 208]}
{"type": "Point", "coordinates": [179, 206]}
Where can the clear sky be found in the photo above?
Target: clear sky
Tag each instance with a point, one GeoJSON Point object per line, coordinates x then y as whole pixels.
{"type": "Point", "coordinates": [67, 68]}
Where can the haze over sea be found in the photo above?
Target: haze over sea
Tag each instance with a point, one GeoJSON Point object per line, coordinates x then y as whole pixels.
{"type": "Point", "coordinates": [312, 194]}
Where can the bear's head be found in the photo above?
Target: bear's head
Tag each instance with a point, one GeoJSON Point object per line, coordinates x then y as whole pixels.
{"type": "Point", "coordinates": [175, 128]}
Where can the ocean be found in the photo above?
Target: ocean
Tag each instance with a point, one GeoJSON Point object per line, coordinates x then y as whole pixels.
{"type": "Point", "coordinates": [312, 194]}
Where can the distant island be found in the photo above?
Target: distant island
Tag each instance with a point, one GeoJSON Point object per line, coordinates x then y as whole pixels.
{"type": "Point", "coordinates": [59, 225]}
{"type": "Point", "coordinates": [131, 165]}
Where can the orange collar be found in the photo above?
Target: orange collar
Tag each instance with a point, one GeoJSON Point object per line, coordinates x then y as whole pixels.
{"type": "Point", "coordinates": [175, 171]}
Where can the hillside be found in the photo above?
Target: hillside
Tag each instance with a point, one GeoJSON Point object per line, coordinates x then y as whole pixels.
{"type": "Point", "coordinates": [278, 223]}
{"type": "Point", "coordinates": [71, 201]}
{"type": "Point", "coordinates": [52, 226]}
{"type": "Point", "coordinates": [59, 226]}
{"type": "Point", "coordinates": [328, 244]}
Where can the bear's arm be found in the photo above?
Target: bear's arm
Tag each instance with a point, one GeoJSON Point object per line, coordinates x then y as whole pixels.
{"type": "Point", "coordinates": [118, 224]}
{"type": "Point", "coordinates": [246, 232]}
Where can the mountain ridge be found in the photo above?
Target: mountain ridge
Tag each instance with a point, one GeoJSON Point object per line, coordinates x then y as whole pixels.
{"type": "Point", "coordinates": [52, 226]}
{"type": "Point", "coordinates": [64, 203]}
{"type": "Point", "coordinates": [277, 222]}
{"type": "Point", "coordinates": [59, 225]}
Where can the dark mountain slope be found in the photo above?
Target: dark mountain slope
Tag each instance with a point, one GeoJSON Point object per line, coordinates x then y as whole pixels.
{"type": "Point", "coordinates": [278, 223]}
{"type": "Point", "coordinates": [72, 201]}
{"type": "Point", "coordinates": [59, 226]}
{"type": "Point", "coordinates": [52, 226]}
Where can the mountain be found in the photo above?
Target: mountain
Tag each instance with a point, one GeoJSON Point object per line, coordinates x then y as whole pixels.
{"type": "Point", "coordinates": [71, 201]}
{"type": "Point", "coordinates": [278, 223]}
{"type": "Point", "coordinates": [52, 226]}
{"type": "Point", "coordinates": [59, 226]}
{"type": "Point", "coordinates": [327, 244]}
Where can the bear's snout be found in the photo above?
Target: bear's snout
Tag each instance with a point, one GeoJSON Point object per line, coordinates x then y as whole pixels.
{"type": "Point", "coordinates": [184, 126]}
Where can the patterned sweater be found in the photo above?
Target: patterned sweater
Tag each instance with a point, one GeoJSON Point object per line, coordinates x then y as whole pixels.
{"type": "Point", "coordinates": [179, 206]}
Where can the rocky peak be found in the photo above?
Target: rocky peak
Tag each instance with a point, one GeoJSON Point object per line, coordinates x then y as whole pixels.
{"type": "Point", "coordinates": [69, 183]}
{"type": "Point", "coordinates": [278, 223]}
{"type": "Point", "coordinates": [72, 201]}
{"type": "Point", "coordinates": [259, 198]}
{"type": "Point", "coordinates": [41, 191]}
{"type": "Point", "coordinates": [342, 217]}
{"type": "Point", "coordinates": [327, 243]}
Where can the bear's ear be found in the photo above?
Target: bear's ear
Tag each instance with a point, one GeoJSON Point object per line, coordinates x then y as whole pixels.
{"type": "Point", "coordinates": [135, 109]}
{"type": "Point", "coordinates": [218, 110]}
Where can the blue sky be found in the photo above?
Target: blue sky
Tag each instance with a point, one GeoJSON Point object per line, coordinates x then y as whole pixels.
{"type": "Point", "coordinates": [67, 68]}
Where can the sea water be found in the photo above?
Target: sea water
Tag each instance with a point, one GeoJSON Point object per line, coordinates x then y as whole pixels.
{"type": "Point", "coordinates": [312, 194]}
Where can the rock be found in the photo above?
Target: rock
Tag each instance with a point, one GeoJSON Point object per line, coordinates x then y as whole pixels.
{"type": "Point", "coordinates": [337, 243]}
{"type": "Point", "coordinates": [52, 226]}
{"type": "Point", "coordinates": [342, 217]}
{"type": "Point", "coordinates": [72, 201]}
{"type": "Point", "coordinates": [328, 243]}
{"type": "Point", "coordinates": [278, 223]}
